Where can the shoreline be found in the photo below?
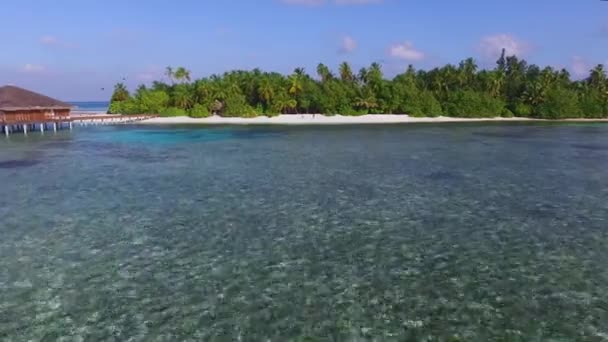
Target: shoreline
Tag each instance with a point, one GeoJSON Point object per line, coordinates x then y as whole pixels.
{"type": "Point", "coordinates": [318, 119]}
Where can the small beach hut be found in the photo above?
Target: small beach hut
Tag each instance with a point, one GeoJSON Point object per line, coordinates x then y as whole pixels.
{"type": "Point", "coordinates": [19, 106]}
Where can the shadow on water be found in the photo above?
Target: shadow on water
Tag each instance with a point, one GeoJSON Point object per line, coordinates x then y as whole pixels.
{"type": "Point", "coordinates": [590, 147]}
{"type": "Point", "coordinates": [541, 212]}
{"type": "Point", "coordinates": [512, 133]}
{"type": "Point", "coordinates": [18, 164]}
{"type": "Point", "coordinates": [131, 152]}
{"type": "Point", "coordinates": [59, 144]}
{"type": "Point", "coordinates": [443, 175]}
{"type": "Point", "coordinates": [141, 155]}
{"type": "Point", "coordinates": [599, 129]}
{"type": "Point", "coordinates": [179, 134]}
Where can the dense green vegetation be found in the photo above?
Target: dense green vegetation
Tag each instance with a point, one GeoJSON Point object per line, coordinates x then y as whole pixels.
{"type": "Point", "coordinates": [512, 88]}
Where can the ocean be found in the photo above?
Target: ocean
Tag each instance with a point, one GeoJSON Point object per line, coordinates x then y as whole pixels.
{"type": "Point", "coordinates": [427, 232]}
{"type": "Point", "coordinates": [90, 107]}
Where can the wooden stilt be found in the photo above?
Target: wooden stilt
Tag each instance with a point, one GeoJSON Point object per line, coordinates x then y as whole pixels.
{"type": "Point", "coordinates": [54, 127]}
{"type": "Point", "coordinates": [6, 130]}
{"type": "Point", "coordinates": [25, 129]}
{"type": "Point", "coordinates": [41, 128]}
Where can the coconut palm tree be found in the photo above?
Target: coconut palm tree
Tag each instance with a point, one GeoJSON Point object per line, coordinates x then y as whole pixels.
{"type": "Point", "coordinates": [597, 78]}
{"type": "Point", "coordinates": [366, 101]}
{"type": "Point", "coordinates": [301, 72]}
{"type": "Point", "coordinates": [120, 93]}
{"type": "Point", "coordinates": [182, 97]}
{"type": "Point", "coordinates": [466, 72]}
{"type": "Point", "coordinates": [346, 73]}
{"type": "Point", "coordinates": [535, 94]}
{"type": "Point", "coordinates": [497, 82]}
{"type": "Point", "coordinates": [548, 76]}
{"type": "Point", "coordinates": [169, 73]}
{"type": "Point", "coordinates": [266, 91]}
{"type": "Point", "coordinates": [375, 72]}
{"type": "Point", "coordinates": [441, 83]}
{"type": "Point", "coordinates": [182, 74]}
{"type": "Point", "coordinates": [285, 104]}
{"type": "Point", "coordinates": [324, 72]}
{"type": "Point", "coordinates": [363, 76]}
{"type": "Point", "coordinates": [295, 84]}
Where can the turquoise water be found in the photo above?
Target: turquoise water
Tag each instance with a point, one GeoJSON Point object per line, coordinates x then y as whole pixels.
{"type": "Point", "coordinates": [397, 233]}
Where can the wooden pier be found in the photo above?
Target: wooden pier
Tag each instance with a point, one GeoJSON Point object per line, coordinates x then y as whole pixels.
{"type": "Point", "coordinates": [41, 124]}
{"type": "Point", "coordinates": [22, 110]}
{"type": "Point", "coordinates": [108, 119]}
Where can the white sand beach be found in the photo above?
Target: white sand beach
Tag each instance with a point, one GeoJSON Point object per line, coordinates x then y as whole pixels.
{"type": "Point", "coordinates": [310, 119]}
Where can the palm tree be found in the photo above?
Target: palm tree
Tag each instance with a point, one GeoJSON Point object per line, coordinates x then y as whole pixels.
{"type": "Point", "coordinates": [535, 94]}
{"type": "Point", "coordinates": [441, 81]}
{"type": "Point", "coordinates": [501, 63]}
{"type": "Point", "coordinates": [363, 75]}
{"type": "Point", "coordinates": [346, 73]}
{"type": "Point", "coordinates": [467, 71]}
{"type": "Point", "coordinates": [548, 78]}
{"type": "Point", "coordinates": [597, 78]}
{"type": "Point", "coordinates": [202, 90]}
{"type": "Point", "coordinates": [367, 103]}
{"type": "Point", "coordinates": [295, 84]}
{"type": "Point", "coordinates": [300, 72]}
{"type": "Point", "coordinates": [169, 73]}
{"type": "Point", "coordinates": [182, 74]}
{"type": "Point", "coordinates": [324, 72]}
{"type": "Point", "coordinates": [266, 91]}
{"type": "Point", "coordinates": [182, 97]}
{"type": "Point", "coordinates": [218, 92]}
{"type": "Point", "coordinates": [120, 93]}
{"type": "Point", "coordinates": [285, 104]}
{"type": "Point", "coordinates": [410, 73]}
{"type": "Point", "coordinates": [497, 82]}
{"type": "Point", "coordinates": [375, 72]}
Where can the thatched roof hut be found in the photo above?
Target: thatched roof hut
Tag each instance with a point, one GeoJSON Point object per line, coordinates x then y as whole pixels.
{"type": "Point", "coordinates": [18, 105]}
{"type": "Point", "coordinates": [14, 98]}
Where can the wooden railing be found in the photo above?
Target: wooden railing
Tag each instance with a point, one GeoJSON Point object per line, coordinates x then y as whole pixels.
{"type": "Point", "coordinates": [34, 116]}
{"type": "Point", "coordinates": [109, 118]}
{"type": "Point", "coordinates": [37, 118]}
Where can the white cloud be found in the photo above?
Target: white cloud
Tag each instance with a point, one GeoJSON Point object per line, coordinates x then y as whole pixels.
{"type": "Point", "coordinates": [406, 51]}
{"type": "Point", "coordinates": [580, 68]}
{"type": "Point", "coordinates": [491, 46]}
{"type": "Point", "coordinates": [33, 68]}
{"type": "Point", "coordinates": [48, 40]}
{"type": "Point", "coordinates": [348, 44]}
{"type": "Point", "coordinates": [151, 73]}
{"type": "Point", "coordinates": [53, 41]}
{"type": "Point", "coordinates": [147, 76]}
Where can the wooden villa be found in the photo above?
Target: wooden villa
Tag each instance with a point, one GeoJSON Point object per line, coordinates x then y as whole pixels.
{"type": "Point", "coordinates": [21, 109]}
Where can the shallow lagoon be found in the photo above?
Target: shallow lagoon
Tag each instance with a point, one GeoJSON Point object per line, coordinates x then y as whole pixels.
{"type": "Point", "coordinates": [448, 232]}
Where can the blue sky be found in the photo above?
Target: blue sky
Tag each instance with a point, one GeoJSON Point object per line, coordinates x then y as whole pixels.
{"type": "Point", "coordinates": [71, 49]}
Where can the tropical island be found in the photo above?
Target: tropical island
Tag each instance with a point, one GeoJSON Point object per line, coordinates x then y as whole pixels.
{"type": "Point", "coordinates": [514, 88]}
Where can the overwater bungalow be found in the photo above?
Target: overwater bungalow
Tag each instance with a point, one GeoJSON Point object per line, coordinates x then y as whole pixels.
{"type": "Point", "coordinates": [21, 109]}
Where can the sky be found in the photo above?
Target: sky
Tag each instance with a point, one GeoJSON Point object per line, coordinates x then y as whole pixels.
{"type": "Point", "coordinates": [76, 50]}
